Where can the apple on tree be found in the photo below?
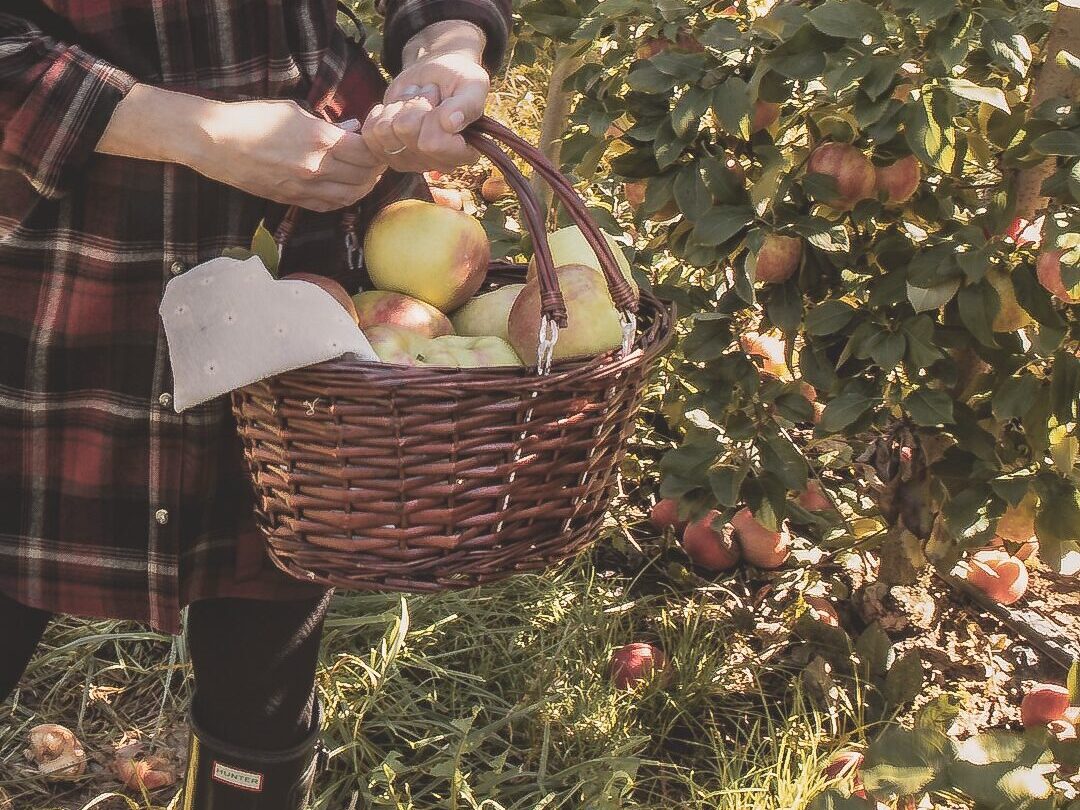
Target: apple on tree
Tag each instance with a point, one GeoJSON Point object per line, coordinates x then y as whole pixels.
{"type": "Point", "coordinates": [851, 170]}
{"type": "Point", "coordinates": [778, 258]}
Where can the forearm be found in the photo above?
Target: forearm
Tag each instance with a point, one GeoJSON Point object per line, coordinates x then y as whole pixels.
{"type": "Point", "coordinates": [160, 125]}
{"type": "Point", "coordinates": [450, 36]}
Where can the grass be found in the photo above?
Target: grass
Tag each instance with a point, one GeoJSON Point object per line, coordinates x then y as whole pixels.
{"type": "Point", "coordinates": [496, 698]}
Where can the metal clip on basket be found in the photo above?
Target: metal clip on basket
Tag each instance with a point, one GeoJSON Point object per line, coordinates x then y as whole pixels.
{"type": "Point", "coordinates": [372, 476]}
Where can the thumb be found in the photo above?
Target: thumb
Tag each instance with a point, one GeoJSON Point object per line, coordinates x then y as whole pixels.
{"type": "Point", "coordinates": [462, 108]}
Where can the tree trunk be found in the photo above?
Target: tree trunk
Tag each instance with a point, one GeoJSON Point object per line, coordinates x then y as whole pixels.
{"type": "Point", "coordinates": [556, 115]}
{"type": "Point", "coordinates": [1053, 79]}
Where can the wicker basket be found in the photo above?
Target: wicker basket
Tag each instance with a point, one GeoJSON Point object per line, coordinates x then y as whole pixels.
{"type": "Point", "coordinates": [372, 476]}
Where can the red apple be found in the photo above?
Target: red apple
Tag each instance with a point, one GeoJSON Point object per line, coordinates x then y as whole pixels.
{"type": "Point", "coordinates": [761, 546]}
{"type": "Point", "coordinates": [1001, 577]}
{"type": "Point", "coordinates": [665, 515]}
{"type": "Point", "coordinates": [1044, 703]}
{"type": "Point", "coordinates": [330, 286]}
{"type": "Point", "coordinates": [843, 765]}
{"type": "Point", "coordinates": [709, 548]}
{"type": "Point", "coordinates": [375, 307]}
{"type": "Point", "coordinates": [495, 188]}
{"type": "Point", "coordinates": [899, 181]}
{"type": "Point", "coordinates": [771, 350]}
{"type": "Point", "coordinates": [849, 167]}
{"type": "Point", "coordinates": [766, 113]}
{"type": "Point", "coordinates": [778, 258]}
{"type": "Point", "coordinates": [813, 499]}
{"type": "Point", "coordinates": [821, 610]}
{"type": "Point", "coordinates": [636, 663]}
{"type": "Point", "coordinates": [1048, 270]}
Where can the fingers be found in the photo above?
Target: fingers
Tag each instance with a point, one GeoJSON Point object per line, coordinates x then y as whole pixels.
{"type": "Point", "coordinates": [411, 136]}
{"type": "Point", "coordinates": [404, 88]}
{"type": "Point", "coordinates": [330, 195]}
{"type": "Point", "coordinates": [353, 149]}
{"type": "Point", "coordinates": [465, 105]}
{"type": "Point", "coordinates": [445, 151]}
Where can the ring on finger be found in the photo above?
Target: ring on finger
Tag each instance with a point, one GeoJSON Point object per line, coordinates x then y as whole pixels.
{"type": "Point", "coordinates": [393, 152]}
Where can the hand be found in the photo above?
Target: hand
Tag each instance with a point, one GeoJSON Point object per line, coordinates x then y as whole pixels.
{"type": "Point", "coordinates": [442, 89]}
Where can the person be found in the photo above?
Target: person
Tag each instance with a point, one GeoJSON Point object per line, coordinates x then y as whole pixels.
{"type": "Point", "coordinates": [138, 139]}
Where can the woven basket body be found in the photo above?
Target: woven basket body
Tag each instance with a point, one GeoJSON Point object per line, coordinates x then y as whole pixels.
{"type": "Point", "coordinates": [379, 477]}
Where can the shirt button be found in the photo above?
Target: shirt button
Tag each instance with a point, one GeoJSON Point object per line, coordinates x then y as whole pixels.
{"type": "Point", "coordinates": [177, 268]}
{"type": "Point", "coordinates": [162, 516]}
{"type": "Point", "coordinates": [165, 400]}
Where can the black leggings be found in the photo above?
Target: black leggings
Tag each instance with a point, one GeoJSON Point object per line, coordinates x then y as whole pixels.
{"type": "Point", "coordinates": [254, 665]}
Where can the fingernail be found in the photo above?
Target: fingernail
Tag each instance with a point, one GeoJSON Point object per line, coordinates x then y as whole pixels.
{"type": "Point", "coordinates": [410, 91]}
{"type": "Point", "coordinates": [430, 91]}
{"type": "Point", "coordinates": [457, 120]}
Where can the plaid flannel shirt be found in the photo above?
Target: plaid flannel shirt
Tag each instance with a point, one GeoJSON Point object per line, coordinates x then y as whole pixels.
{"type": "Point", "coordinates": [111, 504]}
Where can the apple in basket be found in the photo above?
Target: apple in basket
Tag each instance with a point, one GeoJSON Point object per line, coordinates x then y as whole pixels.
{"type": "Point", "coordinates": [426, 251]}
{"type": "Point", "coordinates": [336, 290]}
{"type": "Point", "coordinates": [568, 246]}
{"type": "Point", "coordinates": [593, 325]}
{"type": "Point", "coordinates": [375, 307]}
{"type": "Point", "coordinates": [487, 314]}
{"type": "Point", "coordinates": [394, 344]}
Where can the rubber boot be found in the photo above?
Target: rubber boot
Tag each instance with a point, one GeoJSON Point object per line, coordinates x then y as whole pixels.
{"type": "Point", "coordinates": [221, 776]}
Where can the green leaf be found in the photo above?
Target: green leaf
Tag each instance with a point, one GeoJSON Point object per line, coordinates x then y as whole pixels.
{"type": "Point", "coordinates": [902, 762]}
{"type": "Point", "coordinates": [886, 349]}
{"type": "Point", "coordinates": [669, 146]}
{"type": "Point", "coordinates": [843, 411]}
{"type": "Point", "coordinates": [978, 307]}
{"type": "Point", "coordinates": [1006, 45]}
{"type": "Point", "coordinates": [726, 483]}
{"type": "Point", "coordinates": [780, 457]}
{"type": "Point", "coordinates": [688, 111]}
{"type": "Point", "coordinates": [784, 307]}
{"type": "Point", "coordinates": [927, 10]}
{"type": "Point", "coordinates": [1073, 682]}
{"type": "Point", "coordinates": [930, 131]}
{"type": "Point", "coordinates": [940, 712]}
{"type": "Point", "coordinates": [829, 317]}
{"type": "Point", "coordinates": [925, 299]}
{"type": "Point", "coordinates": [691, 193]}
{"type": "Point", "coordinates": [721, 224]}
{"type": "Point", "coordinates": [265, 247]}
{"type": "Point", "coordinates": [875, 650]}
{"type": "Point", "coordinates": [647, 78]}
{"type": "Point", "coordinates": [922, 351]}
{"type": "Point", "coordinates": [904, 681]}
{"type": "Point", "coordinates": [1014, 397]}
{"type": "Point", "coordinates": [722, 35]}
{"type": "Point", "coordinates": [1065, 387]}
{"type": "Point", "coordinates": [1061, 142]}
{"type": "Point", "coordinates": [1057, 525]}
{"type": "Point", "coordinates": [930, 408]}
{"type": "Point", "coordinates": [731, 103]}
{"type": "Point", "coordinates": [962, 88]}
{"type": "Point", "coordinates": [833, 799]}
{"type": "Point", "coordinates": [849, 19]}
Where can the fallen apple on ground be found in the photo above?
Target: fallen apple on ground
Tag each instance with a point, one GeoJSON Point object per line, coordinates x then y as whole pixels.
{"type": "Point", "coordinates": [665, 515]}
{"type": "Point", "coordinates": [427, 251]}
{"type": "Point", "coordinates": [821, 610]}
{"type": "Point", "coordinates": [637, 663]}
{"type": "Point", "coordinates": [713, 549]}
{"type": "Point", "coordinates": [761, 546]}
{"type": "Point", "coordinates": [139, 770]}
{"type": "Point", "coordinates": [487, 314]}
{"type": "Point", "coordinates": [813, 498]}
{"type": "Point", "coordinates": [495, 188]}
{"type": "Point", "coordinates": [1044, 703]}
{"type": "Point", "coordinates": [57, 752]}
{"type": "Point", "coordinates": [593, 324]}
{"type": "Point", "coordinates": [849, 167]}
{"type": "Point", "coordinates": [1003, 578]}
{"type": "Point", "coordinates": [338, 292]}
{"type": "Point", "coordinates": [374, 307]}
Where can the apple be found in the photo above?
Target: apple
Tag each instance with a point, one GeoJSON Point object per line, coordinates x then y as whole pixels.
{"type": "Point", "coordinates": [635, 192]}
{"type": "Point", "coordinates": [1017, 523]}
{"type": "Point", "coordinates": [495, 188]}
{"type": "Point", "coordinates": [761, 546]}
{"type": "Point", "coordinates": [1044, 703]}
{"type": "Point", "coordinates": [771, 351]}
{"type": "Point", "coordinates": [849, 167]}
{"type": "Point", "coordinates": [432, 253]}
{"type": "Point", "coordinates": [778, 258]}
{"type": "Point", "coordinates": [1024, 552]}
{"type": "Point", "coordinates": [843, 765]}
{"type": "Point", "coordinates": [593, 324]}
{"type": "Point", "coordinates": [57, 752]}
{"type": "Point", "coordinates": [1003, 578]}
{"type": "Point", "coordinates": [458, 351]}
{"type": "Point", "coordinates": [665, 515]}
{"type": "Point", "coordinates": [899, 181]}
{"type": "Point", "coordinates": [684, 41]}
{"type": "Point", "coordinates": [1048, 270]}
{"type": "Point", "coordinates": [709, 548]}
{"type": "Point", "coordinates": [329, 285]}
{"type": "Point", "coordinates": [766, 113]}
{"type": "Point", "coordinates": [568, 246]}
{"type": "Point", "coordinates": [487, 314]}
{"type": "Point", "coordinates": [637, 663]}
{"type": "Point", "coordinates": [813, 499]}
{"type": "Point", "coordinates": [395, 344]}
{"type": "Point", "coordinates": [397, 309]}
{"type": "Point", "coordinates": [139, 770]}
{"type": "Point", "coordinates": [1010, 315]}
{"type": "Point", "coordinates": [821, 610]}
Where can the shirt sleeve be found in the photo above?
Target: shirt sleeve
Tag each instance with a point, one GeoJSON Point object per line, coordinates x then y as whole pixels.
{"type": "Point", "coordinates": [406, 18]}
{"type": "Point", "coordinates": [55, 103]}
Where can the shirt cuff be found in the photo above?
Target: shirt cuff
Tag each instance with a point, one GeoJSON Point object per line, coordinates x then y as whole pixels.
{"type": "Point", "coordinates": [407, 19]}
{"type": "Point", "coordinates": [55, 129]}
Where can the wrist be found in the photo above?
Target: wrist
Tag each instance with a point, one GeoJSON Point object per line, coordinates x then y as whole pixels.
{"type": "Point", "coordinates": [448, 36]}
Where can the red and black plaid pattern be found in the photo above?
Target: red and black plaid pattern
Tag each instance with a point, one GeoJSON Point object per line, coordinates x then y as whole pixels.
{"type": "Point", "coordinates": [111, 504]}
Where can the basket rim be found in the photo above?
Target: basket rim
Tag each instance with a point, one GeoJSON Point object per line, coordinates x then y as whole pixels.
{"type": "Point", "coordinates": [653, 337]}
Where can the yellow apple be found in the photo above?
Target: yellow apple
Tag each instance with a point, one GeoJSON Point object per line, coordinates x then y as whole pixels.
{"type": "Point", "coordinates": [593, 325]}
{"type": "Point", "coordinates": [458, 351]}
{"type": "Point", "coordinates": [487, 314]}
{"type": "Point", "coordinates": [568, 246]}
{"type": "Point", "coordinates": [429, 252]}
{"type": "Point", "coordinates": [1010, 315]}
{"type": "Point", "coordinates": [375, 307]}
{"type": "Point", "coordinates": [395, 344]}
